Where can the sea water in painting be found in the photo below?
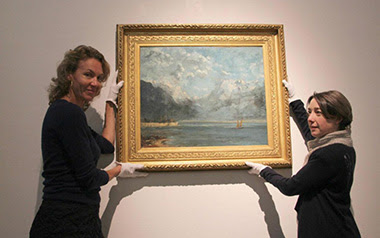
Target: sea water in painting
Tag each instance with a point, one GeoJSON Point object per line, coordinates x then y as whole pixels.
{"type": "Point", "coordinates": [195, 96]}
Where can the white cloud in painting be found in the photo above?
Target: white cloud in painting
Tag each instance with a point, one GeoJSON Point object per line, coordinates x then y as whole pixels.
{"type": "Point", "coordinates": [219, 80]}
{"type": "Point", "coordinates": [179, 71]}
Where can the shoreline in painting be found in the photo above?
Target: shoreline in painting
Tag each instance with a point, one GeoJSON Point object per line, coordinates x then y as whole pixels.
{"type": "Point", "coordinates": [227, 121]}
{"type": "Point", "coordinates": [163, 124]}
{"type": "Point", "coordinates": [210, 133]}
{"type": "Point", "coordinates": [158, 124]}
{"type": "Point", "coordinates": [153, 141]}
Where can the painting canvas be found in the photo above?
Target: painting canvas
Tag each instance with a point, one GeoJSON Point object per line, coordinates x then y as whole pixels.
{"type": "Point", "coordinates": [202, 96]}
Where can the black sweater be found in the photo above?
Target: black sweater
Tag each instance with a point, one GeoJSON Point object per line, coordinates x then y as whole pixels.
{"type": "Point", "coordinates": [70, 150]}
{"type": "Point", "coordinates": [323, 186]}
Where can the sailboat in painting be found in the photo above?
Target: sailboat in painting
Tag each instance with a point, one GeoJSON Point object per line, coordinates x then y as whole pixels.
{"type": "Point", "coordinates": [239, 124]}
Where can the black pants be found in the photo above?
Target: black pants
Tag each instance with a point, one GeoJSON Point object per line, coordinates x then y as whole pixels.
{"type": "Point", "coordinates": [66, 219]}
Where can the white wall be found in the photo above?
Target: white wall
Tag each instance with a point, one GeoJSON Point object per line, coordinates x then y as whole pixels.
{"type": "Point", "coordinates": [330, 44]}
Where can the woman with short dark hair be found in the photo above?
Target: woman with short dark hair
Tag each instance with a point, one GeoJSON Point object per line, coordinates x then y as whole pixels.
{"type": "Point", "coordinates": [324, 182]}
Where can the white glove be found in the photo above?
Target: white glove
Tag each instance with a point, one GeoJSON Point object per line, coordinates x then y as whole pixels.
{"type": "Point", "coordinates": [291, 90]}
{"type": "Point", "coordinates": [114, 89]}
{"type": "Point", "coordinates": [255, 167]}
{"type": "Point", "coordinates": [128, 170]}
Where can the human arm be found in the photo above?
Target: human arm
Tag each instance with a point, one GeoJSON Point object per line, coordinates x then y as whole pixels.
{"type": "Point", "coordinates": [324, 164]}
{"type": "Point", "coordinates": [117, 169]}
{"type": "Point", "coordinates": [109, 128]}
{"type": "Point", "coordinates": [78, 147]}
{"type": "Point", "coordinates": [299, 115]}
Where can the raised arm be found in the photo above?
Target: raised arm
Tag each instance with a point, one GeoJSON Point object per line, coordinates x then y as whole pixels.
{"type": "Point", "coordinates": [109, 128]}
{"type": "Point", "coordinates": [298, 110]}
{"type": "Point", "coordinates": [300, 118]}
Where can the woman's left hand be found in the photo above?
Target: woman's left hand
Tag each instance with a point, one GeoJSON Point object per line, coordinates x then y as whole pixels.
{"type": "Point", "coordinates": [114, 89]}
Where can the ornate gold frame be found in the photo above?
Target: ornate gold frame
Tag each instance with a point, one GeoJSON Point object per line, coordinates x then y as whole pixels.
{"type": "Point", "coordinates": [271, 37]}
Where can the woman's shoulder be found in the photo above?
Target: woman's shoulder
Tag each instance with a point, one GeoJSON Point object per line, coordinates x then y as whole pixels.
{"type": "Point", "coordinates": [333, 153]}
{"type": "Point", "coordinates": [65, 108]}
{"type": "Point", "coordinates": [335, 148]}
{"type": "Point", "coordinates": [62, 111]}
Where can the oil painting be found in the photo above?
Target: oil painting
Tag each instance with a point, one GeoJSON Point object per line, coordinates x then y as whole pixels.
{"type": "Point", "coordinates": [202, 96]}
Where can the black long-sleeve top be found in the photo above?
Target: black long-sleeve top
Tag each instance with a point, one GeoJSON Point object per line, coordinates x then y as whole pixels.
{"type": "Point", "coordinates": [71, 150]}
{"type": "Point", "coordinates": [323, 186]}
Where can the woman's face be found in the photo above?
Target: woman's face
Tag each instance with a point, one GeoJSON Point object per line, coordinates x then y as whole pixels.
{"type": "Point", "coordinates": [86, 81]}
{"type": "Point", "coordinates": [318, 124]}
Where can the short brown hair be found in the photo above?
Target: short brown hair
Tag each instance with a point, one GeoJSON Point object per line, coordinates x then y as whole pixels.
{"type": "Point", "coordinates": [60, 85]}
{"type": "Point", "coordinates": [334, 105]}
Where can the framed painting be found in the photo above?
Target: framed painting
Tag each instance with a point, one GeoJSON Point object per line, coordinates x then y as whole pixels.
{"type": "Point", "coordinates": [202, 96]}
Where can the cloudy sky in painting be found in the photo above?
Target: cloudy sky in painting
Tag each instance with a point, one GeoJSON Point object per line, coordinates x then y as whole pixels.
{"type": "Point", "coordinates": [195, 72]}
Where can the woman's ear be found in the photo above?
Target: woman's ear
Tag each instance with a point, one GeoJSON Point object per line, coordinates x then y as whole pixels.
{"type": "Point", "coordinates": [70, 77]}
{"type": "Point", "coordinates": [338, 120]}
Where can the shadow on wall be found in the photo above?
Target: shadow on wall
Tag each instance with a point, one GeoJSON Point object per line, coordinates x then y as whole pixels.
{"type": "Point", "coordinates": [126, 187]}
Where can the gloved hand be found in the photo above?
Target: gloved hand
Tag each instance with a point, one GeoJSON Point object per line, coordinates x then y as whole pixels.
{"type": "Point", "coordinates": [114, 89]}
{"type": "Point", "coordinates": [255, 167]}
{"type": "Point", "coordinates": [291, 90]}
{"type": "Point", "coordinates": [128, 170]}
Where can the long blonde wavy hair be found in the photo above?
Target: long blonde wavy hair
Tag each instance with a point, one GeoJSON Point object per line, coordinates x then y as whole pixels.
{"type": "Point", "coordinates": [60, 85]}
